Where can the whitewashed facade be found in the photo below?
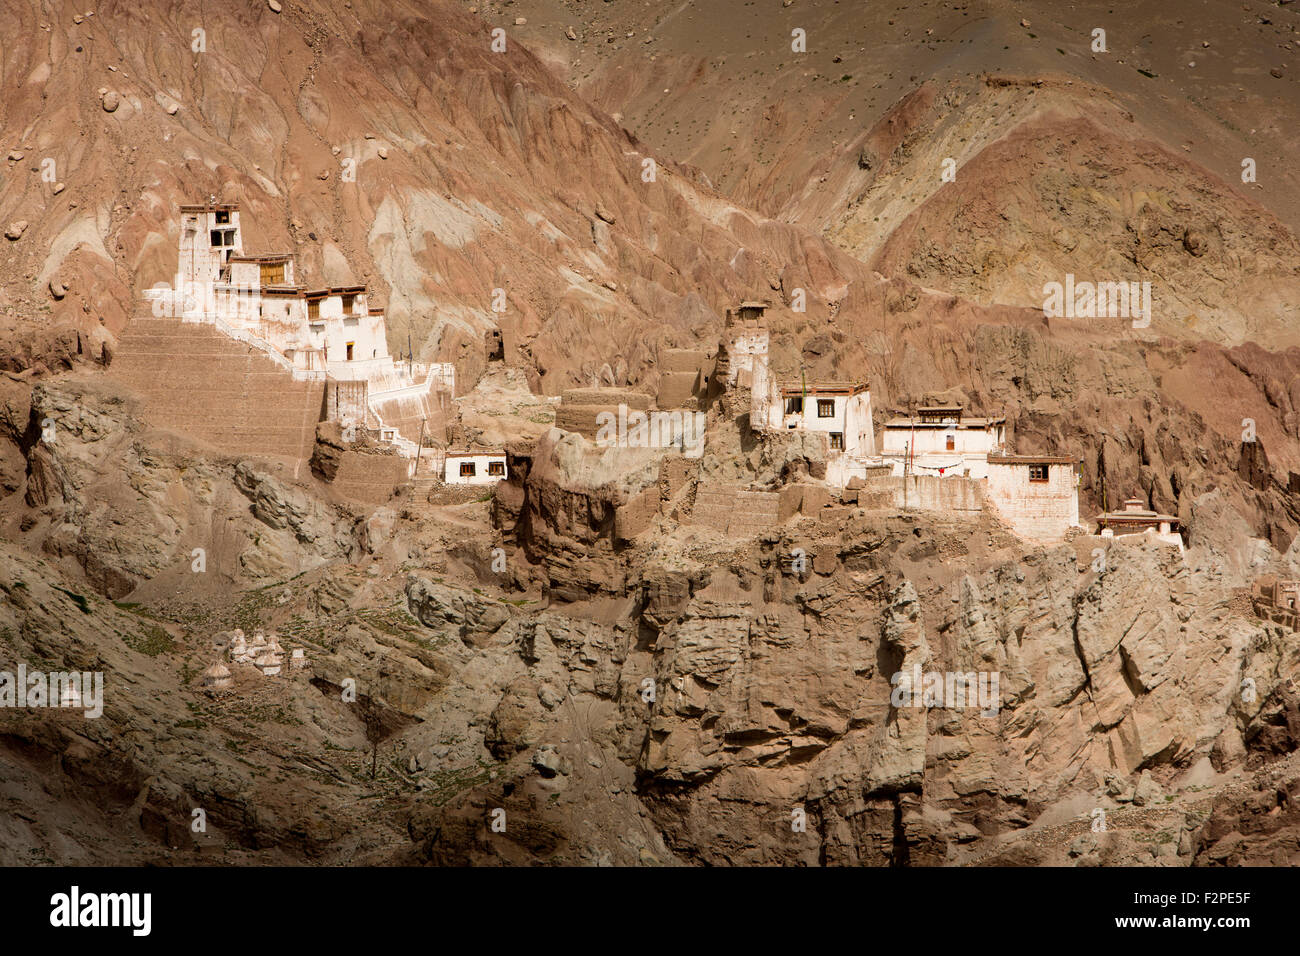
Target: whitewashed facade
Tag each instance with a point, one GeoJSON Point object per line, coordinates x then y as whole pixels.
{"type": "Point", "coordinates": [474, 468]}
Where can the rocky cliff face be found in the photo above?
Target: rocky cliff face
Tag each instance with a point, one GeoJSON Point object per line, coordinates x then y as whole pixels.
{"type": "Point", "coordinates": [680, 698]}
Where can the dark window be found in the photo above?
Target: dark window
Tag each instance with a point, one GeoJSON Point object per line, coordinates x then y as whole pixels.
{"type": "Point", "coordinates": [1037, 472]}
{"type": "Point", "coordinates": [825, 408]}
{"type": "Point", "coordinates": [216, 237]}
{"type": "Point", "coordinates": [837, 441]}
{"type": "Point", "coordinates": [951, 443]}
{"type": "Point", "coordinates": [467, 469]}
{"type": "Point", "coordinates": [350, 344]}
{"type": "Point", "coordinates": [496, 468]}
{"type": "Point", "coordinates": [794, 406]}
{"type": "Point", "coordinates": [223, 217]}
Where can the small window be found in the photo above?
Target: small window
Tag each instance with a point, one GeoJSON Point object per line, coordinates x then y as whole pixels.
{"type": "Point", "coordinates": [313, 310]}
{"type": "Point", "coordinates": [350, 344]}
{"type": "Point", "coordinates": [1037, 472]}
{"type": "Point", "coordinates": [794, 406]}
{"type": "Point", "coordinates": [467, 469]}
{"type": "Point", "coordinates": [497, 468]}
{"type": "Point", "coordinates": [837, 441]}
{"type": "Point", "coordinates": [825, 408]}
{"type": "Point", "coordinates": [216, 237]}
{"type": "Point", "coordinates": [223, 217]}
{"type": "Point", "coordinates": [348, 303]}
{"type": "Point", "coordinates": [950, 442]}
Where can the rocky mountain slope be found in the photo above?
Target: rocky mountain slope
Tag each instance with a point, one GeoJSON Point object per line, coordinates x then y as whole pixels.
{"type": "Point", "coordinates": [1117, 155]}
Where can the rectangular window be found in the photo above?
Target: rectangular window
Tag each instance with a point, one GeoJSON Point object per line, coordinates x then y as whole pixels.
{"type": "Point", "coordinates": [313, 310]}
{"type": "Point", "coordinates": [350, 344]}
{"type": "Point", "coordinates": [272, 273]}
{"type": "Point", "coordinates": [216, 238]}
{"type": "Point", "coordinates": [496, 468]}
{"type": "Point", "coordinates": [837, 441]}
{"type": "Point", "coordinates": [794, 406]}
{"type": "Point", "coordinates": [1037, 472]}
{"type": "Point", "coordinates": [467, 469]}
{"type": "Point", "coordinates": [223, 217]}
{"type": "Point", "coordinates": [825, 408]}
{"type": "Point", "coordinates": [951, 443]}
{"type": "Point", "coordinates": [348, 303]}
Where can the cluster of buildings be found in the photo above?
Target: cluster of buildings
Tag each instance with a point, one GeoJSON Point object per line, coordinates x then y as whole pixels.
{"type": "Point", "coordinates": [1037, 495]}
{"type": "Point", "coordinates": [939, 457]}
{"type": "Point", "coordinates": [262, 653]}
{"type": "Point", "coordinates": [329, 333]}
{"type": "Point", "coordinates": [334, 334]}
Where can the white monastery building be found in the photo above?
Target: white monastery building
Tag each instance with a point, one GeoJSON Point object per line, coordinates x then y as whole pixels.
{"type": "Point", "coordinates": [939, 440]}
{"type": "Point", "coordinates": [315, 333]}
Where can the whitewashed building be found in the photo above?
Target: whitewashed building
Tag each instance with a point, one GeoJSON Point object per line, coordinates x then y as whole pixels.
{"type": "Point", "coordinates": [1038, 496]}
{"type": "Point", "coordinates": [468, 467]}
{"type": "Point", "coordinates": [314, 333]}
{"type": "Point", "coordinates": [940, 440]}
{"type": "Point", "coordinates": [1136, 518]}
{"type": "Point", "coordinates": [841, 410]}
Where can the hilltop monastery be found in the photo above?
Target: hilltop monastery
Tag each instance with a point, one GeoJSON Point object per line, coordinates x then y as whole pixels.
{"type": "Point", "coordinates": [331, 334]}
{"type": "Point", "coordinates": [937, 458]}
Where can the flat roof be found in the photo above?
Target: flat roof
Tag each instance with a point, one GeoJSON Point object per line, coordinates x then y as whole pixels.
{"type": "Point", "coordinates": [1030, 460]}
{"type": "Point", "coordinates": [210, 207]}
{"type": "Point", "coordinates": [963, 423]}
{"type": "Point", "coordinates": [824, 388]}
{"type": "Point", "coordinates": [754, 304]}
{"type": "Point", "coordinates": [1134, 517]}
{"type": "Point", "coordinates": [269, 257]}
{"type": "Point", "coordinates": [336, 290]}
{"type": "Point", "coordinates": [468, 453]}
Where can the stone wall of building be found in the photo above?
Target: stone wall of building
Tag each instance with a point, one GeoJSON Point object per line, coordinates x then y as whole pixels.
{"type": "Point", "coordinates": [921, 493]}
{"type": "Point", "coordinates": [371, 478]}
{"type": "Point", "coordinates": [195, 380]}
{"type": "Point", "coordinates": [683, 375]}
{"type": "Point", "coordinates": [580, 408]}
{"type": "Point", "coordinates": [346, 401]}
{"type": "Point", "coordinates": [1038, 510]}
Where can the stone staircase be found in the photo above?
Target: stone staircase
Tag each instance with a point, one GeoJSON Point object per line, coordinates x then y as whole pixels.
{"type": "Point", "coordinates": [195, 380]}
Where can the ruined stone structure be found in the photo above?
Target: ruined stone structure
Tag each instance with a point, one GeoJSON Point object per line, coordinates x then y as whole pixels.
{"type": "Point", "coordinates": [216, 679]}
{"type": "Point", "coordinates": [1277, 600]}
{"type": "Point", "coordinates": [580, 408]}
{"type": "Point", "coordinates": [683, 378]}
{"type": "Point", "coordinates": [744, 338]}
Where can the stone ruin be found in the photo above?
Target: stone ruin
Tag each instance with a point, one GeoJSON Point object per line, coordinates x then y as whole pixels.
{"type": "Point", "coordinates": [1275, 600]}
